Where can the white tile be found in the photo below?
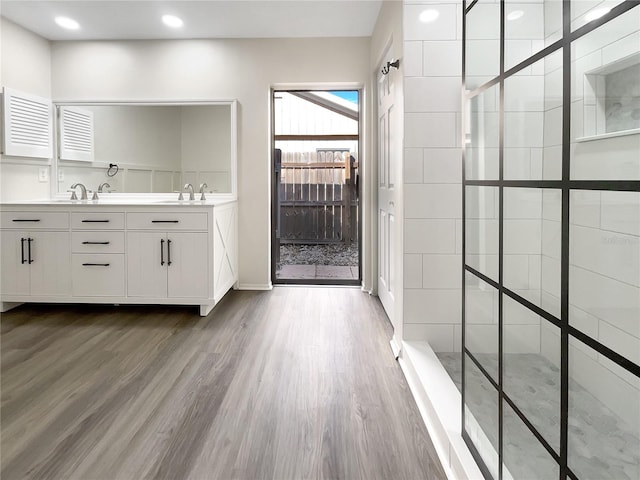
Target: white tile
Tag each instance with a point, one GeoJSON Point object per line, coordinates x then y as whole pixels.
{"type": "Point", "coordinates": [481, 202]}
{"type": "Point", "coordinates": [412, 59]}
{"type": "Point", "coordinates": [622, 48]}
{"type": "Point", "coordinates": [620, 152]}
{"type": "Point", "coordinates": [553, 89]}
{"type": "Point", "coordinates": [522, 339]}
{"type": "Point", "coordinates": [552, 205]}
{"type": "Point", "coordinates": [523, 203]}
{"type": "Point", "coordinates": [528, 26]}
{"type": "Point", "coordinates": [482, 236]}
{"type": "Point", "coordinates": [517, 164]}
{"type": "Point", "coordinates": [413, 165]}
{"type": "Point", "coordinates": [482, 163]}
{"type": "Point", "coordinates": [442, 165]}
{"type": "Point", "coordinates": [523, 129]}
{"type": "Point", "coordinates": [431, 130]}
{"type": "Point", "coordinates": [621, 212]}
{"type": "Point", "coordinates": [483, 21]}
{"type": "Point", "coordinates": [514, 313]}
{"type": "Point", "coordinates": [432, 94]}
{"type": "Point", "coordinates": [516, 51]}
{"type": "Point", "coordinates": [551, 239]}
{"type": "Point", "coordinates": [439, 337]}
{"type": "Point", "coordinates": [443, 28]}
{"type": "Point", "coordinates": [441, 271]}
{"type": "Point", "coordinates": [537, 164]}
{"type": "Point", "coordinates": [458, 236]}
{"type": "Point", "coordinates": [485, 264]}
{"type": "Point", "coordinates": [621, 342]}
{"type": "Point", "coordinates": [550, 278]}
{"type": "Point", "coordinates": [442, 58]}
{"type": "Point", "coordinates": [482, 58]}
{"type": "Point", "coordinates": [612, 254]}
{"type": "Point", "coordinates": [433, 201]}
{"type": "Point", "coordinates": [553, 127]}
{"type": "Point", "coordinates": [552, 163]}
{"type": "Point", "coordinates": [412, 270]}
{"type": "Point", "coordinates": [481, 304]}
{"type": "Point", "coordinates": [524, 94]}
{"type": "Point", "coordinates": [577, 120]}
{"type": "Point", "coordinates": [432, 306]}
{"type": "Point", "coordinates": [522, 237]}
{"type": "Point", "coordinates": [553, 62]}
{"type": "Point", "coordinates": [581, 67]}
{"type": "Point", "coordinates": [550, 343]}
{"type": "Point", "coordinates": [605, 298]}
{"type": "Point", "coordinates": [482, 338]}
{"type": "Point", "coordinates": [516, 272]}
{"type": "Point", "coordinates": [585, 208]}
{"type": "Point", "coordinates": [622, 373]}
{"type": "Point", "coordinates": [429, 236]}
{"type": "Point", "coordinates": [457, 338]}
{"type": "Point", "coordinates": [583, 321]}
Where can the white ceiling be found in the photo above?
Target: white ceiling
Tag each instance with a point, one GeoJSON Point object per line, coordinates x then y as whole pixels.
{"type": "Point", "coordinates": [140, 19]}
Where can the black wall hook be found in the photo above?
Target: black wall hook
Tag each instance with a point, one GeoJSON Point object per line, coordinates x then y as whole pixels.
{"type": "Point", "coordinates": [395, 64]}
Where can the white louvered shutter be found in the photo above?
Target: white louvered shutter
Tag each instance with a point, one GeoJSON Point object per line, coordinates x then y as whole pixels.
{"type": "Point", "coordinates": [28, 125]}
{"type": "Point", "coordinates": [76, 134]}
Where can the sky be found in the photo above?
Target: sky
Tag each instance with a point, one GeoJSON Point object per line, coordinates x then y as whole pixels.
{"type": "Point", "coordinates": [350, 95]}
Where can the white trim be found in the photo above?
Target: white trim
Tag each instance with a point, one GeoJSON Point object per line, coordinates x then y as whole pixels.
{"type": "Point", "coordinates": [439, 403]}
{"type": "Point", "coordinates": [603, 136]}
{"type": "Point", "coordinates": [255, 286]}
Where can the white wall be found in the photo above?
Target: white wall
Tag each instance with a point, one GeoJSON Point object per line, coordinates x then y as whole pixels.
{"type": "Point", "coordinates": [210, 70]}
{"type": "Point", "coordinates": [432, 176]}
{"type": "Point", "coordinates": [25, 66]}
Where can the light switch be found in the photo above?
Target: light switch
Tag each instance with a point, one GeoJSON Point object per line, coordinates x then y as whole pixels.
{"type": "Point", "coordinates": [43, 174]}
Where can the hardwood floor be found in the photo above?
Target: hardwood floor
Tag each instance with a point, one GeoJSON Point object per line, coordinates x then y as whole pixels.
{"type": "Point", "coordinates": [295, 383]}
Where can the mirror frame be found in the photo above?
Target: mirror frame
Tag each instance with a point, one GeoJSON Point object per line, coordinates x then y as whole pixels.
{"type": "Point", "coordinates": [233, 107]}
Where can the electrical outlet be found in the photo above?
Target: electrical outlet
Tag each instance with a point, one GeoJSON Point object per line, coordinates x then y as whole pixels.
{"type": "Point", "coordinates": [43, 174]}
{"type": "Point", "coordinates": [60, 175]}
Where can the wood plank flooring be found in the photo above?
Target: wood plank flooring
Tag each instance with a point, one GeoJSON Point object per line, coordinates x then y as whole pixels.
{"type": "Point", "coordinates": [296, 383]}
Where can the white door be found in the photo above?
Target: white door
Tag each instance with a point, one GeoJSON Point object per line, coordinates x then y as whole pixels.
{"type": "Point", "coordinates": [50, 263]}
{"type": "Point", "coordinates": [147, 264]}
{"type": "Point", "coordinates": [388, 163]}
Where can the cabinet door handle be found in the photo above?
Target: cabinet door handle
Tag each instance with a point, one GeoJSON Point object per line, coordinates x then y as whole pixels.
{"type": "Point", "coordinates": [162, 251]}
{"type": "Point", "coordinates": [29, 240]}
{"type": "Point", "coordinates": [22, 260]}
{"type": "Point", "coordinates": [95, 221]}
{"type": "Point", "coordinates": [95, 264]}
{"type": "Point", "coordinates": [25, 220]}
{"type": "Point", "coordinates": [168, 252]}
{"type": "Point", "coordinates": [165, 221]}
{"type": "Point", "coordinates": [96, 243]}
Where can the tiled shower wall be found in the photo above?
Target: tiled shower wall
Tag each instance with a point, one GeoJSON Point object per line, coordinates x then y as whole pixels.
{"type": "Point", "coordinates": [432, 175]}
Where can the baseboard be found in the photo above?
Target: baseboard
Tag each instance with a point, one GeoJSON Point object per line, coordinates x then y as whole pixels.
{"type": "Point", "coordinates": [395, 347]}
{"type": "Point", "coordinates": [438, 401]}
{"type": "Point", "coordinates": [255, 286]}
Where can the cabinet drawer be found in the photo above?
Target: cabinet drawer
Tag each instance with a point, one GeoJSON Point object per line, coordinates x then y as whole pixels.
{"type": "Point", "coordinates": [35, 220]}
{"type": "Point", "coordinates": [97, 221]}
{"type": "Point", "coordinates": [97, 242]}
{"type": "Point", "coordinates": [96, 275]}
{"type": "Point", "coordinates": [167, 221]}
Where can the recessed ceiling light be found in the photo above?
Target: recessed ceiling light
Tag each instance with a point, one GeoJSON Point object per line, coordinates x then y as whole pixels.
{"type": "Point", "coordinates": [596, 14]}
{"type": "Point", "coordinates": [172, 21]}
{"type": "Point", "coordinates": [429, 15]}
{"type": "Point", "coordinates": [67, 23]}
{"type": "Point", "coordinates": [515, 15]}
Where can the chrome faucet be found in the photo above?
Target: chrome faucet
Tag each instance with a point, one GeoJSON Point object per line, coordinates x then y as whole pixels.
{"type": "Point", "coordinates": [202, 187]}
{"type": "Point", "coordinates": [83, 189]}
{"type": "Point", "coordinates": [103, 185]}
{"type": "Point", "coordinates": [188, 187]}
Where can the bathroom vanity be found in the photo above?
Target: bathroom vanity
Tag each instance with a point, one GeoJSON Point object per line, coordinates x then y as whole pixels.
{"type": "Point", "coordinates": [121, 250]}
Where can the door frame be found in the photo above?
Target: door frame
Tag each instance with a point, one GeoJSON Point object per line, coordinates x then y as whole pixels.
{"type": "Point", "coordinates": [363, 204]}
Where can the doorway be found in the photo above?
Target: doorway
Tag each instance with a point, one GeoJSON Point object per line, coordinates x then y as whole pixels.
{"type": "Point", "coordinates": [315, 207]}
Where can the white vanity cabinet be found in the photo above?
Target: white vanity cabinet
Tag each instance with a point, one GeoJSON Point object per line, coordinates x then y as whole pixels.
{"type": "Point", "coordinates": [168, 255]}
{"type": "Point", "coordinates": [179, 253]}
{"type": "Point", "coordinates": [35, 254]}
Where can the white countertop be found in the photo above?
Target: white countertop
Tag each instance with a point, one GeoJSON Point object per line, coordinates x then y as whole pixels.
{"type": "Point", "coordinates": [126, 200]}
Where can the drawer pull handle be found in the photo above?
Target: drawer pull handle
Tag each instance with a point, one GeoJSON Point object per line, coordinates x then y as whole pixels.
{"type": "Point", "coordinates": [165, 221]}
{"type": "Point", "coordinates": [95, 264]}
{"type": "Point", "coordinates": [168, 252]}
{"type": "Point", "coordinates": [95, 221]}
{"type": "Point", "coordinates": [29, 240]}
{"type": "Point", "coordinates": [22, 260]}
{"type": "Point", "coordinates": [96, 243]}
{"type": "Point", "coordinates": [162, 251]}
{"type": "Point", "coordinates": [25, 220]}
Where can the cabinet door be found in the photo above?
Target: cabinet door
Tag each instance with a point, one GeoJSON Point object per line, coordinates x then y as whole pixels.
{"type": "Point", "coordinates": [147, 264]}
{"type": "Point", "coordinates": [188, 272]}
{"type": "Point", "coordinates": [50, 263]}
{"type": "Point", "coordinates": [14, 274]}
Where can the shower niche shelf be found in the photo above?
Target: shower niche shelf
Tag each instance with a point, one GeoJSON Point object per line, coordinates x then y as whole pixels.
{"type": "Point", "coordinates": [611, 102]}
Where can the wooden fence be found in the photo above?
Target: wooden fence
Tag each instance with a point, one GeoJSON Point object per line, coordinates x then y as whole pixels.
{"type": "Point", "coordinates": [317, 198]}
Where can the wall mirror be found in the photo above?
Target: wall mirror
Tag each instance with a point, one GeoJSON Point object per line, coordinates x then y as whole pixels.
{"type": "Point", "coordinates": [147, 147]}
